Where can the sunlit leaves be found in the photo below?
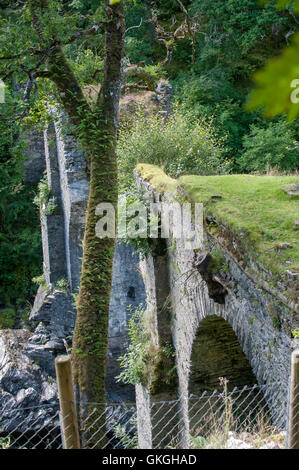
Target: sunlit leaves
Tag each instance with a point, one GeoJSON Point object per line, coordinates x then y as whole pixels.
{"type": "Point", "coordinates": [87, 66]}
{"type": "Point", "coordinates": [275, 84]}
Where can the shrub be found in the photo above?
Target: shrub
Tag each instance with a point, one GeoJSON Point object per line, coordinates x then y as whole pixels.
{"type": "Point", "coordinates": [272, 148]}
{"type": "Point", "coordinates": [43, 199]}
{"type": "Point", "coordinates": [63, 285]}
{"type": "Point", "coordinates": [145, 362]}
{"type": "Point", "coordinates": [7, 318]}
{"type": "Point", "coordinates": [180, 145]}
{"type": "Point", "coordinates": [137, 363]}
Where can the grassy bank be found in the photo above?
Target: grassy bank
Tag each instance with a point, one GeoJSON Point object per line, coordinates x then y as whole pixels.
{"type": "Point", "coordinates": [252, 206]}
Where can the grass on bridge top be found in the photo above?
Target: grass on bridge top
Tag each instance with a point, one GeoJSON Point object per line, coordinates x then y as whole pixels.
{"type": "Point", "coordinates": [253, 205]}
{"type": "Point", "coordinates": [256, 206]}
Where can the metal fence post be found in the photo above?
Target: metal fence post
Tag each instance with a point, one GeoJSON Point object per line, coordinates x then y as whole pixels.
{"type": "Point", "coordinates": [69, 422]}
{"type": "Point", "coordinates": [294, 403]}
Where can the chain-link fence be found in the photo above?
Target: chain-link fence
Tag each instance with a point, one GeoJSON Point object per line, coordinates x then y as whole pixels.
{"type": "Point", "coordinates": [244, 418]}
{"type": "Point", "coordinates": [110, 426]}
{"type": "Point", "coordinates": [40, 427]}
{"type": "Point", "coordinates": [36, 427]}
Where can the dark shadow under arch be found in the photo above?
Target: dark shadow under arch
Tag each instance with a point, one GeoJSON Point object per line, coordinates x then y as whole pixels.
{"type": "Point", "coordinates": [216, 352]}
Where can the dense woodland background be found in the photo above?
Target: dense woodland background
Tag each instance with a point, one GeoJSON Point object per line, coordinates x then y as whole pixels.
{"type": "Point", "coordinates": [211, 75]}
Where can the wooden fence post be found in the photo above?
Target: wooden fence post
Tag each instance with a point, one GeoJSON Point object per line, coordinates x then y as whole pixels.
{"type": "Point", "coordinates": [294, 403]}
{"type": "Point", "coordinates": [69, 422]}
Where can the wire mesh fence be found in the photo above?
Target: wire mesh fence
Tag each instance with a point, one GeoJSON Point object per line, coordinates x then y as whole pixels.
{"type": "Point", "coordinates": [244, 418]}
{"type": "Point", "coordinates": [110, 426]}
{"type": "Point", "coordinates": [36, 427]}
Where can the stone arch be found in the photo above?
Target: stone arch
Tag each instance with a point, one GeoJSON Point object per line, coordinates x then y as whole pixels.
{"type": "Point", "coordinates": [216, 352]}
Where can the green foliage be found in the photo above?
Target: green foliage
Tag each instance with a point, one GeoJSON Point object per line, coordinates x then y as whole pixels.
{"type": "Point", "coordinates": [137, 364]}
{"type": "Point", "coordinates": [24, 313]}
{"type": "Point", "coordinates": [5, 442]}
{"type": "Point", "coordinates": [235, 40]}
{"type": "Point", "coordinates": [40, 281]}
{"type": "Point", "coordinates": [257, 212]}
{"type": "Point", "coordinates": [198, 442]}
{"type": "Point", "coordinates": [63, 285]}
{"type": "Point", "coordinates": [20, 240]}
{"type": "Point", "coordinates": [128, 440]}
{"type": "Point", "coordinates": [294, 4]}
{"type": "Point", "coordinates": [139, 44]}
{"type": "Point", "coordinates": [276, 322]}
{"type": "Point", "coordinates": [217, 262]}
{"type": "Point", "coordinates": [145, 362]}
{"type": "Point", "coordinates": [43, 199]}
{"type": "Point", "coordinates": [20, 249]}
{"type": "Point", "coordinates": [88, 66]}
{"type": "Point", "coordinates": [241, 26]}
{"type": "Point", "coordinates": [275, 82]}
{"type": "Point", "coordinates": [179, 145]}
{"type": "Point", "coordinates": [44, 192]}
{"type": "Point", "coordinates": [133, 198]}
{"type": "Point", "coordinates": [7, 318]}
{"type": "Point", "coordinates": [273, 147]}
{"type": "Point", "coordinates": [214, 97]}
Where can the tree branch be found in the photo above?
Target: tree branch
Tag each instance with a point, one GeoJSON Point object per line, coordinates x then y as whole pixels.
{"type": "Point", "coordinates": [109, 95]}
{"type": "Point", "coordinates": [189, 25]}
{"type": "Point", "coordinates": [69, 90]}
{"type": "Point", "coordinates": [74, 37]}
{"type": "Point", "coordinates": [167, 37]}
{"type": "Point", "coordinates": [134, 71]}
{"type": "Point", "coordinates": [136, 26]}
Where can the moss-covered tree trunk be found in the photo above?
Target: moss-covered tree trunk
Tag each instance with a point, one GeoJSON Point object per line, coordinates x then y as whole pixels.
{"type": "Point", "coordinates": [91, 331]}
{"type": "Point", "coordinates": [96, 129]}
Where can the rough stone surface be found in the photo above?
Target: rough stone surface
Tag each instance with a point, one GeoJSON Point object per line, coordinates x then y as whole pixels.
{"type": "Point", "coordinates": [148, 102]}
{"type": "Point", "coordinates": [52, 224]}
{"type": "Point", "coordinates": [292, 189]}
{"type": "Point", "coordinates": [126, 295]}
{"type": "Point", "coordinates": [253, 315]}
{"type": "Point", "coordinates": [35, 163]}
{"type": "Point", "coordinates": [74, 184]}
{"type": "Point", "coordinates": [27, 371]}
{"type": "Point", "coordinates": [216, 352]}
{"type": "Point", "coordinates": [24, 386]}
{"type": "Point", "coordinates": [53, 321]}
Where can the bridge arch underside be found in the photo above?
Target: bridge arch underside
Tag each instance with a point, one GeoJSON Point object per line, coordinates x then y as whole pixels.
{"type": "Point", "coordinates": [216, 352]}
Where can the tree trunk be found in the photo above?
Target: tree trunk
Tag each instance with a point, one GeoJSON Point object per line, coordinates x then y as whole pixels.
{"type": "Point", "coordinates": [91, 331]}
{"type": "Point", "coordinates": [95, 127]}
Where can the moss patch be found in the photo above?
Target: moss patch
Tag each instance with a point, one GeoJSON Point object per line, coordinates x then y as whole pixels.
{"type": "Point", "coordinates": [254, 208]}
{"type": "Point", "coordinates": [158, 179]}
